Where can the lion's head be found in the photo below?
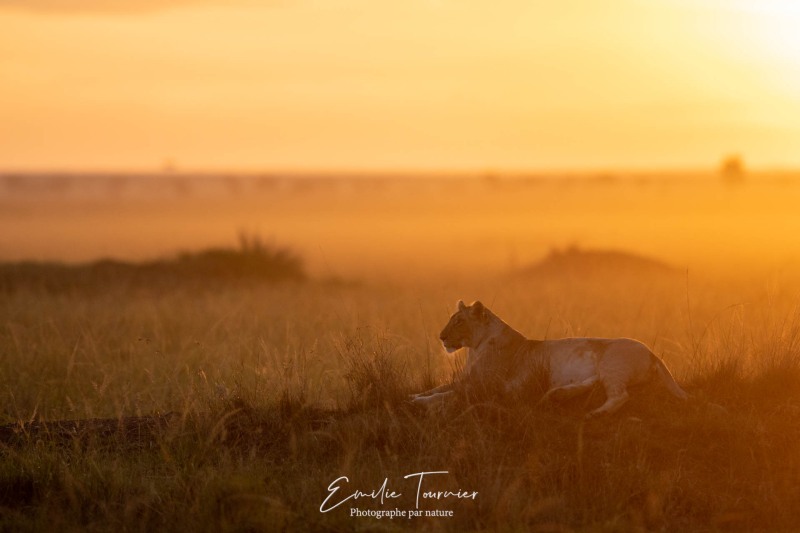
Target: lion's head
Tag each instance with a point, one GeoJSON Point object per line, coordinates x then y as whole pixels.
{"type": "Point", "coordinates": [466, 327]}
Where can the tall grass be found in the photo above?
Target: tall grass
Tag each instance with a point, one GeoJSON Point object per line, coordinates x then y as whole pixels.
{"type": "Point", "coordinates": [274, 391]}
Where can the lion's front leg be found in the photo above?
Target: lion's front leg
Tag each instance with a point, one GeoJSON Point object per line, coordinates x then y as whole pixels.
{"type": "Point", "coordinates": [433, 400]}
{"type": "Point", "coordinates": [436, 390]}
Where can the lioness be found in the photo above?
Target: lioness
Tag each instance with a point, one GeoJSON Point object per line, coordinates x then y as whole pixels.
{"type": "Point", "coordinates": [502, 357]}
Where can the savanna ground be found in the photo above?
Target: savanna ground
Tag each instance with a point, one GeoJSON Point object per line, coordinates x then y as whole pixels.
{"type": "Point", "coordinates": [267, 392]}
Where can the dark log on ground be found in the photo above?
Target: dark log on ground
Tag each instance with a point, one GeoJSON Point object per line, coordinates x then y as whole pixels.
{"type": "Point", "coordinates": [133, 429]}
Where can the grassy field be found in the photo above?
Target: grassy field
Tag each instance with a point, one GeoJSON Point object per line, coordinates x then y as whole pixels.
{"type": "Point", "coordinates": [271, 392]}
{"type": "Point", "coordinates": [224, 390]}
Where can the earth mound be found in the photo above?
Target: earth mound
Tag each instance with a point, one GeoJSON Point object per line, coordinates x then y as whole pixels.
{"type": "Point", "coordinates": [580, 262]}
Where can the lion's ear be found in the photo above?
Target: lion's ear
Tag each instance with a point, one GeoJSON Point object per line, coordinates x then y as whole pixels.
{"type": "Point", "coordinates": [478, 310]}
{"type": "Point", "coordinates": [461, 305]}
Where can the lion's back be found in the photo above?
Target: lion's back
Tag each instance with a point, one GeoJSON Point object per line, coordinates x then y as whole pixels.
{"type": "Point", "coordinates": [574, 360]}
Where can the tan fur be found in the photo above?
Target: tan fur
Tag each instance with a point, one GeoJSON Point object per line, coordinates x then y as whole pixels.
{"type": "Point", "coordinates": [500, 358]}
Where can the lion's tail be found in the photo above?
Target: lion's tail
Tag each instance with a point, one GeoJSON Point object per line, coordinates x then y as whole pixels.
{"type": "Point", "coordinates": [668, 380]}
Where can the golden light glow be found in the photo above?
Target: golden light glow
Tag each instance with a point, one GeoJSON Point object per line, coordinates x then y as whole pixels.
{"type": "Point", "coordinates": [777, 39]}
{"type": "Point", "coordinates": [764, 33]}
{"type": "Point", "coordinates": [398, 85]}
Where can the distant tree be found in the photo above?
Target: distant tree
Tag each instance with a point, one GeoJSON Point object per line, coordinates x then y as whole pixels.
{"type": "Point", "coordinates": [732, 169]}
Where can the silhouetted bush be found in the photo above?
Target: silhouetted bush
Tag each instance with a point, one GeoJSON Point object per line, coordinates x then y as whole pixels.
{"type": "Point", "coordinates": [253, 260]}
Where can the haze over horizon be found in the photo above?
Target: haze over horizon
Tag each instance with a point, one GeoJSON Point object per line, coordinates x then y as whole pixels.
{"type": "Point", "coordinates": [421, 85]}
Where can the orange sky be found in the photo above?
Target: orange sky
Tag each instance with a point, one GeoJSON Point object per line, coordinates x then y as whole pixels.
{"type": "Point", "coordinates": [418, 84]}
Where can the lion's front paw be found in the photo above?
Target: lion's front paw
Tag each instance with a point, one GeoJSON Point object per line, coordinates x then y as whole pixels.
{"type": "Point", "coordinates": [591, 415]}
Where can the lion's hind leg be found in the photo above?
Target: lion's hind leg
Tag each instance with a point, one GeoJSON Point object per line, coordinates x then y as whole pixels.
{"type": "Point", "coordinates": [566, 392]}
{"type": "Point", "coordinates": [616, 397]}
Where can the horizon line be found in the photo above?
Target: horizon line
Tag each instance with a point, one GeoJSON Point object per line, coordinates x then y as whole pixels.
{"type": "Point", "coordinates": [482, 172]}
